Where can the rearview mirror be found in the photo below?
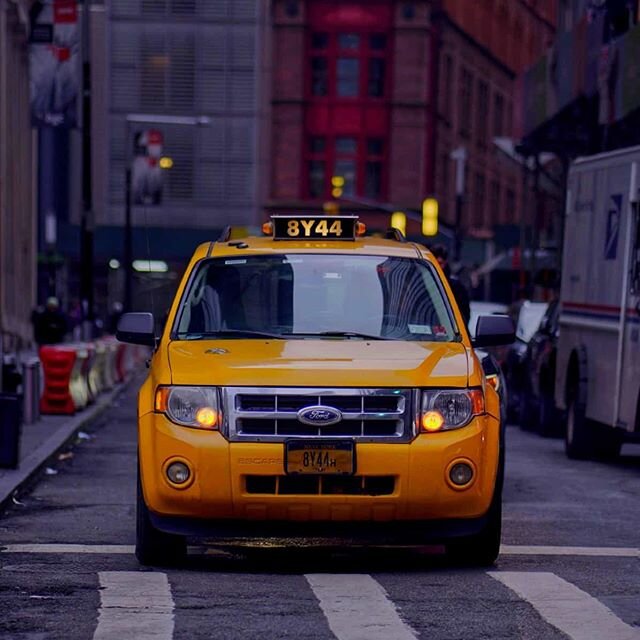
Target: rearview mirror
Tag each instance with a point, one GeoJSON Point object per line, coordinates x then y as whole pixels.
{"type": "Point", "coordinates": [493, 331]}
{"type": "Point", "coordinates": [137, 328]}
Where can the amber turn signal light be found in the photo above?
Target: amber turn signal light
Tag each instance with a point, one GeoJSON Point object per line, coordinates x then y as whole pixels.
{"type": "Point", "coordinates": [432, 421]}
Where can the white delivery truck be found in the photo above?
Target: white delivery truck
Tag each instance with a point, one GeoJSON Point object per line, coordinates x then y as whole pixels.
{"type": "Point", "coordinates": [598, 359]}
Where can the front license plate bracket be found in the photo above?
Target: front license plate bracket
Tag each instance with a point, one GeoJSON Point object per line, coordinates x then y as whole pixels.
{"type": "Point", "coordinates": [336, 457]}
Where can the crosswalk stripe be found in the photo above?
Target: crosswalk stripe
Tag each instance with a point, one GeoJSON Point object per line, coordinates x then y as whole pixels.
{"type": "Point", "coordinates": [134, 605]}
{"type": "Point", "coordinates": [526, 550]}
{"type": "Point", "coordinates": [358, 608]}
{"type": "Point", "coordinates": [569, 609]}
{"type": "Point", "coordinates": [109, 549]}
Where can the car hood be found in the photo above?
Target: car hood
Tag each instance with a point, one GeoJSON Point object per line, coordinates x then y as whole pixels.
{"type": "Point", "coordinates": [318, 363]}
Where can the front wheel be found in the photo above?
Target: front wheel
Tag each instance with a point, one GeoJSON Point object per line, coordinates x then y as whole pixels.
{"type": "Point", "coordinates": [481, 549]}
{"type": "Point", "coordinates": [155, 547]}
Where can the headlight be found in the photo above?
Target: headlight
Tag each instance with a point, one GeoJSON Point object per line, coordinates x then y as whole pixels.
{"type": "Point", "coordinates": [189, 406]}
{"type": "Point", "coordinates": [443, 410]}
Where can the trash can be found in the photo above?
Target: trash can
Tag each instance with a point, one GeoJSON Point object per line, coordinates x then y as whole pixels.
{"type": "Point", "coordinates": [10, 423]}
{"type": "Point", "coordinates": [31, 389]}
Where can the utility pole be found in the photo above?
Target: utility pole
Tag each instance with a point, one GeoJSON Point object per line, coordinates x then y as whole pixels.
{"type": "Point", "coordinates": [459, 156]}
{"type": "Point", "coordinates": [128, 244]}
{"type": "Point", "coordinates": [87, 221]}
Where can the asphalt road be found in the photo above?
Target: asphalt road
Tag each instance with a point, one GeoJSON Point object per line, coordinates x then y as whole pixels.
{"type": "Point", "coordinates": [570, 564]}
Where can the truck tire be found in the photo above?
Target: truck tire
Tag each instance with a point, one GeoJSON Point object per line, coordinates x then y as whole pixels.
{"type": "Point", "coordinates": [579, 435]}
{"type": "Point", "coordinates": [154, 547]}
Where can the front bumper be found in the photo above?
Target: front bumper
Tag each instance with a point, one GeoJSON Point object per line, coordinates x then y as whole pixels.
{"type": "Point", "coordinates": [219, 497]}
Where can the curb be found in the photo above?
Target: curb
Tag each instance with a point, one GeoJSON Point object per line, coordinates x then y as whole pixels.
{"type": "Point", "coordinates": [32, 464]}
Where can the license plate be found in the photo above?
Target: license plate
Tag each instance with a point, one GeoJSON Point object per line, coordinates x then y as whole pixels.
{"type": "Point", "coordinates": [325, 458]}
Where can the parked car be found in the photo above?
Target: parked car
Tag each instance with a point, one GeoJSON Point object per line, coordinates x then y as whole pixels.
{"type": "Point", "coordinates": [515, 364]}
{"type": "Point", "coordinates": [538, 411]}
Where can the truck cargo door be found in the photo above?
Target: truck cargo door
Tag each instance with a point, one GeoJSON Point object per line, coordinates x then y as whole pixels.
{"type": "Point", "coordinates": [629, 387]}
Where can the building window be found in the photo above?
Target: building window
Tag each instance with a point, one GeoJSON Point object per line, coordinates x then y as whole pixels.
{"type": "Point", "coordinates": [482, 113]}
{"type": "Point", "coordinates": [466, 96]}
{"type": "Point", "coordinates": [347, 77]}
{"type": "Point", "coordinates": [374, 168]}
{"type": "Point", "coordinates": [361, 162]}
{"type": "Point", "coordinates": [319, 41]}
{"type": "Point", "coordinates": [446, 86]}
{"type": "Point", "coordinates": [498, 115]}
{"type": "Point", "coordinates": [346, 146]}
{"type": "Point", "coordinates": [349, 41]}
{"type": "Point", "coordinates": [319, 76]}
{"type": "Point", "coordinates": [317, 144]}
{"type": "Point", "coordinates": [378, 42]}
{"type": "Point", "coordinates": [317, 176]}
{"type": "Point", "coordinates": [340, 62]}
{"type": "Point", "coordinates": [376, 77]}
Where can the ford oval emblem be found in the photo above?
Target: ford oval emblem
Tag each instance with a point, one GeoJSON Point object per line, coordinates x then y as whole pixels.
{"type": "Point", "coordinates": [319, 416]}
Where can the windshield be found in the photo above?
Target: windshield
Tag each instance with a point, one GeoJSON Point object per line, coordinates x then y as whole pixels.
{"type": "Point", "coordinates": [307, 295]}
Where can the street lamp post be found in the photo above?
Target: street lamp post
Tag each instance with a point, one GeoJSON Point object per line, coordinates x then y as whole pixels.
{"type": "Point", "coordinates": [146, 119]}
{"type": "Point", "coordinates": [459, 156]}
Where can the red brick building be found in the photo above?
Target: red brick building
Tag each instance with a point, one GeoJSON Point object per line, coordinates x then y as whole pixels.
{"type": "Point", "coordinates": [380, 92]}
{"type": "Point", "coordinates": [483, 45]}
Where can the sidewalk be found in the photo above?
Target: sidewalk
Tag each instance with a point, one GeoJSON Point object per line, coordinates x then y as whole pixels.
{"type": "Point", "coordinates": [42, 440]}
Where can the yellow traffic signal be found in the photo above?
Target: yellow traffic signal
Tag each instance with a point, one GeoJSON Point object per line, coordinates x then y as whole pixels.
{"type": "Point", "coordinates": [429, 217]}
{"type": "Point", "coordinates": [337, 185]}
{"type": "Point", "coordinates": [399, 221]}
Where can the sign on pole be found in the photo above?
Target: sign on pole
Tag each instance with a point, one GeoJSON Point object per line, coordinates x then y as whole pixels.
{"type": "Point", "coordinates": [146, 172]}
{"type": "Point", "coordinates": [54, 63]}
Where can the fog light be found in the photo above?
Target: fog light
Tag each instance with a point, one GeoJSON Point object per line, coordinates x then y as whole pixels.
{"type": "Point", "coordinates": [461, 473]}
{"type": "Point", "coordinates": [178, 472]}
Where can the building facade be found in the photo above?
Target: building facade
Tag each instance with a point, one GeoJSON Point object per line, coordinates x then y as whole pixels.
{"type": "Point", "coordinates": [350, 100]}
{"type": "Point", "coordinates": [154, 61]}
{"type": "Point", "coordinates": [380, 93]}
{"type": "Point", "coordinates": [18, 229]}
{"type": "Point", "coordinates": [483, 48]}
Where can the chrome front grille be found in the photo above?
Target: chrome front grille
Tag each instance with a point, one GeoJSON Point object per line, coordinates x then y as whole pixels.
{"type": "Point", "coordinates": [270, 414]}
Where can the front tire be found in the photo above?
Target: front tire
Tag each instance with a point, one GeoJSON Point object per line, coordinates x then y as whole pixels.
{"type": "Point", "coordinates": [155, 547]}
{"type": "Point", "coordinates": [481, 549]}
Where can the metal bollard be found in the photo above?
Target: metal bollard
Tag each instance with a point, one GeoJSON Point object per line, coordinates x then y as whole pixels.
{"type": "Point", "coordinates": [32, 390]}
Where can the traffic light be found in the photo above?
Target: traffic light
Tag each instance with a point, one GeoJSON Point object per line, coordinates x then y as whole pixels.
{"type": "Point", "coordinates": [399, 221]}
{"type": "Point", "coordinates": [429, 217]}
{"type": "Point", "coordinates": [337, 185]}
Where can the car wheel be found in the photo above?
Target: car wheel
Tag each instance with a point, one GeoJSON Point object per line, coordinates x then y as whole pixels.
{"type": "Point", "coordinates": [579, 435]}
{"type": "Point", "coordinates": [527, 415]}
{"type": "Point", "coordinates": [547, 415]}
{"type": "Point", "coordinates": [154, 547]}
{"type": "Point", "coordinates": [482, 549]}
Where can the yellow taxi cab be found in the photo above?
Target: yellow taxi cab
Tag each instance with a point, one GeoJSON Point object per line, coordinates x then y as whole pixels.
{"type": "Point", "coordinates": [317, 382]}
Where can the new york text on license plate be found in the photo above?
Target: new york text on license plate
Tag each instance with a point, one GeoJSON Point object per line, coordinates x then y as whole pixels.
{"type": "Point", "coordinates": [330, 458]}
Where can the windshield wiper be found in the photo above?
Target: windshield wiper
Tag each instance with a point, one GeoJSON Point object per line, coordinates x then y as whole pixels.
{"type": "Point", "coordinates": [230, 333]}
{"type": "Point", "coordinates": [338, 334]}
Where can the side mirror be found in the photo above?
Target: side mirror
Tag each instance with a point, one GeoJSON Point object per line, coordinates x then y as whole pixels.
{"type": "Point", "coordinates": [493, 331]}
{"type": "Point", "coordinates": [137, 328]}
